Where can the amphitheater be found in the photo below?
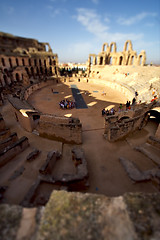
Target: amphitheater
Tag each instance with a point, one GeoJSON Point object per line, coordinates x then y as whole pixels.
{"type": "Point", "coordinates": [74, 173]}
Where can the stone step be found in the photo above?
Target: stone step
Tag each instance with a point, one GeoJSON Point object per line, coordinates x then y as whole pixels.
{"type": "Point", "coordinates": [150, 151]}
{"type": "Point", "coordinates": [8, 141]}
{"type": "Point", "coordinates": [11, 151]}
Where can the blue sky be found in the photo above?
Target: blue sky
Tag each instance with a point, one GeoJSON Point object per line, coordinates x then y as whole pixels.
{"type": "Point", "coordinates": [75, 28]}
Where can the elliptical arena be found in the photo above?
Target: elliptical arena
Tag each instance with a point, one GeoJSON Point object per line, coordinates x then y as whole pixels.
{"type": "Point", "coordinates": [44, 147]}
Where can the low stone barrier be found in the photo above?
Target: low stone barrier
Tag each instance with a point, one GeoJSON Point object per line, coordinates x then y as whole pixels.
{"type": "Point", "coordinates": [5, 134]}
{"type": "Point", "coordinates": [48, 166]}
{"type": "Point", "coordinates": [33, 155]}
{"type": "Point", "coordinates": [2, 123]}
{"type": "Point", "coordinates": [12, 150]}
{"type": "Point", "coordinates": [8, 141]}
{"type": "Point", "coordinates": [68, 130]}
{"type": "Point", "coordinates": [154, 141]}
{"type": "Point", "coordinates": [122, 123]}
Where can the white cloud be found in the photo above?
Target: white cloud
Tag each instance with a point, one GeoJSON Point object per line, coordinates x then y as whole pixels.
{"type": "Point", "coordinates": [93, 24]}
{"type": "Point", "coordinates": [135, 19]}
{"type": "Point", "coordinates": [91, 21]}
{"type": "Point", "coordinates": [95, 1]}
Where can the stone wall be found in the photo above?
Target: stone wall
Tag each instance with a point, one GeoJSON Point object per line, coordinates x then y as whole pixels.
{"type": "Point", "coordinates": [13, 150]}
{"type": "Point", "coordinates": [60, 128]}
{"type": "Point", "coordinates": [110, 56]}
{"type": "Point", "coordinates": [77, 216]}
{"type": "Point", "coordinates": [122, 123]}
{"type": "Point", "coordinates": [23, 58]}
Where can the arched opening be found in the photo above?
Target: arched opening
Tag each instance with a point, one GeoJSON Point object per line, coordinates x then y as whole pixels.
{"type": "Point", "coordinates": [22, 76]}
{"type": "Point", "coordinates": [50, 70]}
{"type": "Point", "coordinates": [132, 60]}
{"type": "Point", "coordinates": [128, 46]}
{"type": "Point", "coordinates": [3, 62]}
{"type": "Point", "coordinates": [49, 61]}
{"type": "Point", "coordinates": [91, 60]}
{"type": "Point", "coordinates": [154, 114]}
{"type": "Point", "coordinates": [45, 63]}
{"type": "Point", "coordinates": [112, 47]}
{"type": "Point", "coordinates": [45, 71]}
{"type": "Point", "coordinates": [32, 71]}
{"type": "Point", "coordinates": [123, 119]}
{"type": "Point", "coordinates": [110, 61]}
{"type": "Point", "coordinates": [23, 63]}
{"type": "Point", "coordinates": [5, 79]}
{"type": "Point", "coordinates": [17, 77]}
{"type": "Point", "coordinates": [35, 62]}
{"type": "Point", "coordinates": [101, 61]}
{"type": "Point", "coordinates": [47, 48]}
{"type": "Point", "coordinates": [55, 70]}
{"type": "Point", "coordinates": [10, 62]}
{"type": "Point", "coordinates": [17, 62]}
{"type": "Point", "coordinates": [140, 60]}
{"type": "Point", "coordinates": [29, 61]}
{"type": "Point", "coordinates": [41, 70]}
{"type": "Point", "coordinates": [27, 71]}
{"type": "Point", "coordinates": [120, 60]}
{"type": "Point", "coordinates": [40, 63]}
{"type": "Point", "coordinates": [37, 71]}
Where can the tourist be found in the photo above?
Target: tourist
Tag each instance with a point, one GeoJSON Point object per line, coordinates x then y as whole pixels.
{"type": "Point", "coordinates": [107, 112]}
{"type": "Point", "coordinates": [120, 107]}
{"type": "Point", "coordinates": [136, 94]}
{"type": "Point", "coordinates": [112, 111]}
{"type": "Point", "coordinates": [103, 112]}
{"type": "Point", "coordinates": [133, 101]}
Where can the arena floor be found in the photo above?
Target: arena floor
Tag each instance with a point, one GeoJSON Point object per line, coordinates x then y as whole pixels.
{"type": "Point", "coordinates": [106, 174]}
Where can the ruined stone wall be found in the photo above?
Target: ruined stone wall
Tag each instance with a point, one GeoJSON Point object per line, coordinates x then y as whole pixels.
{"type": "Point", "coordinates": [23, 58]}
{"type": "Point", "coordinates": [125, 122]}
{"type": "Point", "coordinates": [76, 216]}
{"type": "Point", "coordinates": [30, 89]}
{"type": "Point", "coordinates": [110, 56]}
{"type": "Point", "coordinates": [60, 128]}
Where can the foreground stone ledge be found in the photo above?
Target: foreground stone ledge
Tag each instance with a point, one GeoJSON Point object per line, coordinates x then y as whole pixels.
{"type": "Point", "coordinates": [70, 215]}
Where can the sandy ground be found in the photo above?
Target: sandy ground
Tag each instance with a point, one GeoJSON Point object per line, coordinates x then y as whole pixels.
{"type": "Point", "coordinates": [106, 175]}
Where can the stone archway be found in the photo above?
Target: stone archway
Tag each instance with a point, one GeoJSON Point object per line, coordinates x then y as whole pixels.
{"type": "Point", "coordinates": [17, 77]}
{"type": "Point", "coordinates": [141, 58]}
{"type": "Point", "coordinates": [110, 60]}
{"type": "Point", "coordinates": [113, 47]}
{"type": "Point", "coordinates": [10, 62]}
{"type": "Point", "coordinates": [5, 79]}
{"type": "Point", "coordinates": [101, 60]}
{"type": "Point", "coordinates": [128, 45]}
{"type": "Point", "coordinates": [120, 60]}
{"type": "Point", "coordinates": [105, 47]}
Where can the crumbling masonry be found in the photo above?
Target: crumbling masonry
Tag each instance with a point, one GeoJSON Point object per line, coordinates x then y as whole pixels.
{"type": "Point", "coordinates": [110, 56]}
{"type": "Point", "coordinates": [23, 58]}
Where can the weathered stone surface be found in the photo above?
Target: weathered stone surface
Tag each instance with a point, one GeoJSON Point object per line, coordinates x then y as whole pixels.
{"type": "Point", "coordinates": [70, 215]}
{"type": "Point", "coordinates": [85, 216]}
{"type": "Point", "coordinates": [144, 211]}
{"type": "Point", "coordinates": [134, 173]}
{"type": "Point", "coordinates": [31, 156]}
{"type": "Point", "coordinates": [10, 217]}
{"type": "Point", "coordinates": [150, 152]}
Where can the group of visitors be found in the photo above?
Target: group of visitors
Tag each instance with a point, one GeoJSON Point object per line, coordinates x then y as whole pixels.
{"type": "Point", "coordinates": [108, 112]}
{"type": "Point", "coordinates": [67, 104]}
